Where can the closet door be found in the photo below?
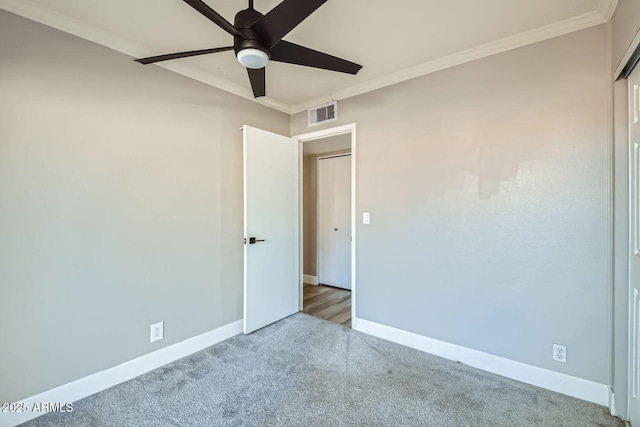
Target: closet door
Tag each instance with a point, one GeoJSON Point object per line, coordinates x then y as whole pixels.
{"type": "Point", "coordinates": [334, 221]}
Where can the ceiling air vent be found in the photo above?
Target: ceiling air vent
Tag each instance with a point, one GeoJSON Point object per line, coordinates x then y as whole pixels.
{"type": "Point", "coordinates": [323, 114]}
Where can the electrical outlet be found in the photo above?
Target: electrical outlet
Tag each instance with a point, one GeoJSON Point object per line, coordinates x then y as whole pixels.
{"type": "Point", "coordinates": [560, 353]}
{"type": "Point", "coordinates": [157, 331]}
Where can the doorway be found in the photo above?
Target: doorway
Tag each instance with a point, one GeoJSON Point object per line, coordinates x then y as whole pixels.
{"type": "Point", "coordinates": [327, 286]}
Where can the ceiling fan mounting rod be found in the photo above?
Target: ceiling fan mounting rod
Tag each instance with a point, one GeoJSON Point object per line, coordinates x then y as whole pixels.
{"type": "Point", "coordinates": [250, 4]}
{"type": "Point", "coordinates": [251, 39]}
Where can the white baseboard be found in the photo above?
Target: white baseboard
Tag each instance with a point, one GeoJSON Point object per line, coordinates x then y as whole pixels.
{"type": "Point", "coordinates": [102, 380]}
{"type": "Point", "coordinates": [612, 403]}
{"type": "Point", "coordinates": [312, 280]}
{"type": "Point", "coordinates": [544, 378]}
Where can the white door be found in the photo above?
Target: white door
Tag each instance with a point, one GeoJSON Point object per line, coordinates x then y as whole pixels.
{"type": "Point", "coordinates": [634, 256]}
{"type": "Point", "coordinates": [334, 221]}
{"type": "Point", "coordinates": [271, 250]}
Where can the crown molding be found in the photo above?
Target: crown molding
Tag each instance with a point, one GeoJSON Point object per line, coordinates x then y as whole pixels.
{"type": "Point", "coordinates": [75, 27]}
{"type": "Point", "coordinates": [28, 9]}
{"type": "Point", "coordinates": [604, 12]}
{"type": "Point", "coordinates": [607, 8]}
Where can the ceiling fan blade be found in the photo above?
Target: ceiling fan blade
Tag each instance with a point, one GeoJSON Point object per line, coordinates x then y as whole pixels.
{"type": "Point", "coordinates": [292, 53]}
{"type": "Point", "coordinates": [152, 59]}
{"type": "Point", "coordinates": [258, 81]}
{"type": "Point", "coordinates": [283, 18]}
{"type": "Point", "coordinates": [214, 16]}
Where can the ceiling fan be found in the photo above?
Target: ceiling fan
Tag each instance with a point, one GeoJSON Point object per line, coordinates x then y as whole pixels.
{"type": "Point", "coordinates": [258, 39]}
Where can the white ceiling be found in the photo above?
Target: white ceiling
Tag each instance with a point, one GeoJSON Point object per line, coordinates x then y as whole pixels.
{"type": "Point", "coordinates": [393, 40]}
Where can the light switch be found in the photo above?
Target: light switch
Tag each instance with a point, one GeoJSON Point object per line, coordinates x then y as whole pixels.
{"type": "Point", "coordinates": [365, 218]}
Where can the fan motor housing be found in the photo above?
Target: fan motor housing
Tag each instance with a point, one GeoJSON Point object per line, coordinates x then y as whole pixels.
{"type": "Point", "coordinates": [243, 21]}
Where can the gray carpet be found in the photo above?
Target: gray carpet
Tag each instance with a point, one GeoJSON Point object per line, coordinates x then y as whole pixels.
{"type": "Point", "coordinates": [304, 371]}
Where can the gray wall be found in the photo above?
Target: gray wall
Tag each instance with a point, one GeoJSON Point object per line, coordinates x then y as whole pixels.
{"type": "Point", "coordinates": [488, 187]}
{"type": "Point", "coordinates": [625, 27]}
{"type": "Point", "coordinates": [120, 206]}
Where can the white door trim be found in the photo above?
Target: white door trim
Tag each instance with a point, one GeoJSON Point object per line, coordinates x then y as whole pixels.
{"type": "Point", "coordinates": [339, 130]}
{"type": "Point", "coordinates": [634, 248]}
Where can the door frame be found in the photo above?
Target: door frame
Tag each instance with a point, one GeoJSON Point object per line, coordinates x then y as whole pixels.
{"type": "Point", "coordinates": [321, 134]}
{"type": "Point", "coordinates": [329, 156]}
{"type": "Point", "coordinates": [633, 250]}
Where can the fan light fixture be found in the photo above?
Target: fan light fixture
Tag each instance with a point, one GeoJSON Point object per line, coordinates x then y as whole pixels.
{"type": "Point", "coordinates": [257, 40]}
{"type": "Point", "coordinates": [253, 58]}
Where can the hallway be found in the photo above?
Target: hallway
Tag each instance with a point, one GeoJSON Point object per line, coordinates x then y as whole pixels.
{"type": "Point", "coordinates": [329, 303]}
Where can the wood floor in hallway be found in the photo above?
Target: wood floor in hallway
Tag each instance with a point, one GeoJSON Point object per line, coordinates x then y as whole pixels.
{"type": "Point", "coordinates": [329, 303]}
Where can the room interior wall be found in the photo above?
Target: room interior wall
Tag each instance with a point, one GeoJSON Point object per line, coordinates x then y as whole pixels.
{"type": "Point", "coordinates": [489, 192]}
{"type": "Point", "coordinates": [624, 26]}
{"type": "Point", "coordinates": [310, 210]}
{"type": "Point", "coordinates": [120, 206]}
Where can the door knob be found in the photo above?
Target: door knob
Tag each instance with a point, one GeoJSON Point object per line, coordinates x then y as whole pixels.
{"type": "Point", "coordinates": [253, 240]}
